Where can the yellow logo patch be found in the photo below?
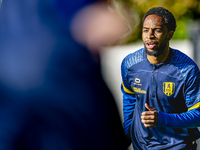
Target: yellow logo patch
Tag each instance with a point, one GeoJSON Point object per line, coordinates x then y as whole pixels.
{"type": "Point", "coordinates": [168, 88]}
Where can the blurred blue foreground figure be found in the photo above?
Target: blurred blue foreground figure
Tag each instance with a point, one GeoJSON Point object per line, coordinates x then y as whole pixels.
{"type": "Point", "coordinates": [52, 93]}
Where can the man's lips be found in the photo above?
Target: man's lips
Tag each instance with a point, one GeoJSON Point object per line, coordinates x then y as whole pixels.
{"type": "Point", "coordinates": [150, 45]}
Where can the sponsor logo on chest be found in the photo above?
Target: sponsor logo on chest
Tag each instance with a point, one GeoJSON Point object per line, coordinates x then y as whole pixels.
{"type": "Point", "coordinates": [138, 90]}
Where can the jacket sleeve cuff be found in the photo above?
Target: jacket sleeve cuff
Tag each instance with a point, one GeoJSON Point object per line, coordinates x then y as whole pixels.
{"type": "Point", "coordinates": [189, 119]}
{"type": "Point", "coordinates": [161, 119]}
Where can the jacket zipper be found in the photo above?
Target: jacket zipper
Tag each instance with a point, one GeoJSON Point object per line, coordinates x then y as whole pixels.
{"type": "Point", "coordinates": [153, 82]}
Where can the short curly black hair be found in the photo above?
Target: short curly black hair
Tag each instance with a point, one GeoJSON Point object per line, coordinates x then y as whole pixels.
{"type": "Point", "coordinates": [169, 19]}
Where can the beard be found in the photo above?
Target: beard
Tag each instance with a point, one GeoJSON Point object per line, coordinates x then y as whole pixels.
{"type": "Point", "coordinates": [158, 51]}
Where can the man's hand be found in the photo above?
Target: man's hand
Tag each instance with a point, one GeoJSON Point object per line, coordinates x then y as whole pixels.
{"type": "Point", "coordinates": [150, 118]}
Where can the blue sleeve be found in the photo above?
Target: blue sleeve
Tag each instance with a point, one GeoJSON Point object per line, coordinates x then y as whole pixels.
{"type": "Point", "coordinates": [129, 101]}
{"type": "Point", "coordinates": [189, 119]}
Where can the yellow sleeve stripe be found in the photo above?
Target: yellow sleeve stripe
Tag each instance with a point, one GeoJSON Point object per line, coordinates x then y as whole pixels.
{"type": "Point", "coordinates": [127, 90]}
{"type": "Point", "coordinates": [197, 105]}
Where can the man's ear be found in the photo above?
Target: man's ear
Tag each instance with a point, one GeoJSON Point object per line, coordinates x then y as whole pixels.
{"type": "Point", "coordinates": [170, 34]}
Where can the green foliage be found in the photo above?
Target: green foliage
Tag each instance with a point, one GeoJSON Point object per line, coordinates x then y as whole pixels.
{"type": "Point", "coordinates": [183, 10]}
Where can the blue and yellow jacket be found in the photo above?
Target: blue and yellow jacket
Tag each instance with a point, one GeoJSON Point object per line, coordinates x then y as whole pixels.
{"type": "Point", "coordinates": [173, 88]}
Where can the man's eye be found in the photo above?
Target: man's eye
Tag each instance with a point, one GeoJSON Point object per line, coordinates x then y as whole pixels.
{"type": "Point", "coordinates": [145, 30]}
{"type": "Point", "coordinates": [159, 31]}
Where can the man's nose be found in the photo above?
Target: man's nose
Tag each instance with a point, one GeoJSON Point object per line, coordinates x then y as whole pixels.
{"type": "Point", "coordinates": [150, 34]}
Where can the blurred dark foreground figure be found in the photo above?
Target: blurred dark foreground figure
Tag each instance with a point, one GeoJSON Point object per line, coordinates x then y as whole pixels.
{"type": "Point", "coordinates": [52, 93]}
